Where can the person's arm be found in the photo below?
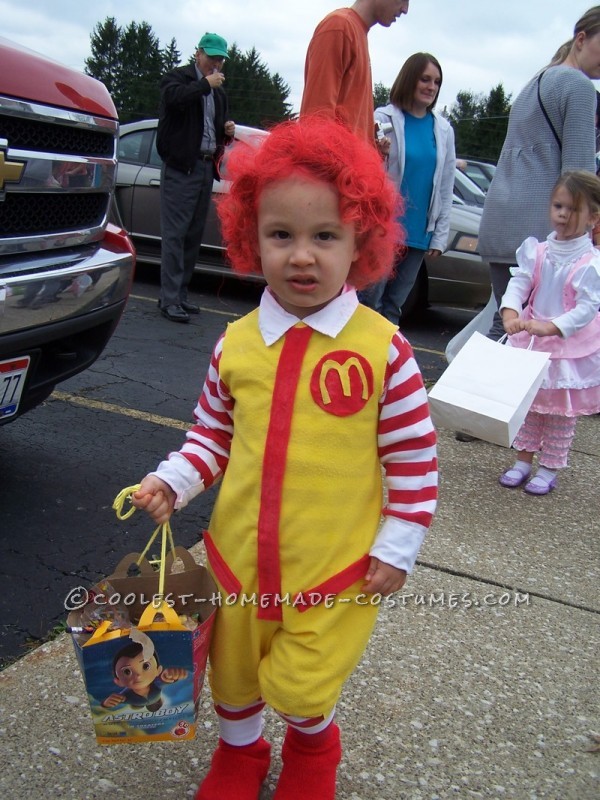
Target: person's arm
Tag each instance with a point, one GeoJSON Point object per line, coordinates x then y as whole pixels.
{"type": "Point", "coordinates": [177, 92]}
{"type": "Point", "coordinates": [408, 453]}
{"type": "Point", "coordinates": [324, 74]}
{"type": "Point", "coordinates": [586, 284]}
{"type": "Point", "coordinates": [578, 135]}
{"type": "Point", "coordinates": [439, 240]}
{"type": "Point", "coordinates": [521, 283]}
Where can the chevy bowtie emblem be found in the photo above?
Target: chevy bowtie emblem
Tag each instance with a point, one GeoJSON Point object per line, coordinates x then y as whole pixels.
{"type": "Point", "coordinates": [9, 170]}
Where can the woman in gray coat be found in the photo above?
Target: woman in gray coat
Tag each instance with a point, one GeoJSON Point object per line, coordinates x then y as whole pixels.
{"type": "Point", "coordinates": [550, 131]}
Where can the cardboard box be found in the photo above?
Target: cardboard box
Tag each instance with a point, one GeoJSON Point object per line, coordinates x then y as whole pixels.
{"type": "Point", "coordinates": [144, 682]}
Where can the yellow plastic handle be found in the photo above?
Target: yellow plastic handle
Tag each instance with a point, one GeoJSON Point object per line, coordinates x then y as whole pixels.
{"type": "Point", "coordinates": [171, 622]}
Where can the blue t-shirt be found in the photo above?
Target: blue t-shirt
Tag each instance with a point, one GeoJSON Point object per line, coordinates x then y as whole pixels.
{"type": "Point", "coordinates": [417, 180]}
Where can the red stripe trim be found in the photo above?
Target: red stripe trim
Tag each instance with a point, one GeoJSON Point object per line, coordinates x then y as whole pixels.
{"type": "Point", "coordinates": [421, 443]}
{"type": "Point", "coordinates": [224, 575]}
{"type": "Point", "coordinates": [334, 585]}
{"type": "Point", "coordinates": [411, 496]}
{"type": "Point", "coordinates": [243, 713]}
{"type": "Point", "coordinates": [414, 469]}
{"type": "Point", "coordinates": [273, 469]}
{"type": "Point", "coordinates": [422, 518]}
{"type": "Point", "coordinates": [201, 468]}
{"type": "Point", "coordinates": [307, 723]}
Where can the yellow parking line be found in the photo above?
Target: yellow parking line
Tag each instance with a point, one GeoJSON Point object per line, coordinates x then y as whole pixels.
{"type": "Point", "coordinates": [112, 408]}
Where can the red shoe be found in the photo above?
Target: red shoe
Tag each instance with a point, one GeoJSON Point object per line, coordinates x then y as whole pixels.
{"type": "Point", "coordinates": [309, 765]}
{"type": "Point", "coordinates": [236, 773]}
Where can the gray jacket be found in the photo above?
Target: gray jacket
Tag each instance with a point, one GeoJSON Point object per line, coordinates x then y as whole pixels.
{"type": "Point", "coordinates": [438, 216]}
{"type": "Point", "coordinates": [518, 201]}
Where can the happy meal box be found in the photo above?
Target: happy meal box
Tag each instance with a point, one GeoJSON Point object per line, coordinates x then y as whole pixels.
{"type": "Point", "coordinates": [144, 678]}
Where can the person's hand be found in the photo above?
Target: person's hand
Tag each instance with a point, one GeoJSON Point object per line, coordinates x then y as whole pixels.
{"type": "Point", "coordinates": [156, 498]}
{"type": "Point", "coordinates": [384, 145]}
{"type": "Point", "coordinates": [215, 79]}
{"type": "Point", "coordinates": [113, 700]}
{"type": "Point", "coordinates": [510, 320]}
{"type": "Point", "coordinates": [172, 674]}
{"type": "Point", "coordinates": [434, 253]}
{"type": "Point", "coordinates": [382, 578]}
{"type": "Point", "coordinates": [537, 327]}
{"type": "Point", "coordinates": [229, 128]}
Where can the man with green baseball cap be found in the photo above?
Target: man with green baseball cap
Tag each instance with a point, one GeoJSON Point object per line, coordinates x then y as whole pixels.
{"type": "Point", "coordinates": [193, 129]}
{"type": "Point", "coordinates": [213, 45]}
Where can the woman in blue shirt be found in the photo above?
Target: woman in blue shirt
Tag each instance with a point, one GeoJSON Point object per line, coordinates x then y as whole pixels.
{"type": "Point", "coordinates": [421, 162]}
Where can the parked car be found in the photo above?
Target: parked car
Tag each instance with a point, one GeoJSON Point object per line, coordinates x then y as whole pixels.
{"type": "Point", "coordinates": [65, 270]}
{"type": "Point", "coordinates": [480, 172]}
{"type": "Point", "coordinates": [458, 277]}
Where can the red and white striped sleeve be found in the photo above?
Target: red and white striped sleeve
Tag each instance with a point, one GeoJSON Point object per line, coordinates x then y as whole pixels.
{"type": "Point", "coordinates": [204, 456]}
{"type": "Point", "coordinates": [408, 453]}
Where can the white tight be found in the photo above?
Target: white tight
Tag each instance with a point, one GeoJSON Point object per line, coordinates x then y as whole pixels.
{"type": "Point", "coordinates": [242, 726]}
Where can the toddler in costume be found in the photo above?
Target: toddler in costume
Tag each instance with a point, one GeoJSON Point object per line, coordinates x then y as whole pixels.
{"type": "Point", "coordinates": [559, 280]}
{"type": "Point", "coordinates": [306, 398]}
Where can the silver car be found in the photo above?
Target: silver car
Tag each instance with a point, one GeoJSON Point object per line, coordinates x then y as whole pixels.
{"type": "Point", "coordinates": [458, 277]}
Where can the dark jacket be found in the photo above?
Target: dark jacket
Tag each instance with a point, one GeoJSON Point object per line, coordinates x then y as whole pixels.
{"type": "Point", "coordinates": [181, 118]}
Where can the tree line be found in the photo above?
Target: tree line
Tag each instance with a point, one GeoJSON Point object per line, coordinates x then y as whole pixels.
{"type": "Point", "coordinates": [131, 62]}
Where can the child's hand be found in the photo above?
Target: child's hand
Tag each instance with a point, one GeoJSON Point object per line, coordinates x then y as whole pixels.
{"type": "Point", "coordinates": [513, 325]}
{"type": "Point", "coordinates": [156, 497]}
{"type": "Point", "coordinates": [172, 674]}
{"type": "Point", "coordinates": [383, 579]}
{"type": "Point", "coordinates": [537, 327]}
{"type": "Point", "coordinates": [510, 320]}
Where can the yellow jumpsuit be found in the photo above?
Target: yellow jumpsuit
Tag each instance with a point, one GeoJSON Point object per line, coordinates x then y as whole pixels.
{"type": "Point", "coordinates": [297, 512]}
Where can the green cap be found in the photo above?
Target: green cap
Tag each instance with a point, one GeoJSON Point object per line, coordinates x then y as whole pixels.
{"type": "Point", "coordinates": [213, 45]}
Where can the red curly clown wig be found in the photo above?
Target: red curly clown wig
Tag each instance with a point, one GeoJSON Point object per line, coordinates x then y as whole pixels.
{"type": "Point", "coordinates": [323, 150]}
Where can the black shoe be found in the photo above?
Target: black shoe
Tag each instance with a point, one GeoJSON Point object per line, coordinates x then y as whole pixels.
{"type": "Point", "coordinates": [190, 307]}
{"type": "Point", "coordinates": [464, 437]}
{"type": "Point", "coordinates": [175, 314]}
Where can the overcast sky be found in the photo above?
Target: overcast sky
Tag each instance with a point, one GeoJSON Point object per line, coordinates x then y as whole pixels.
{"type": "Point", "coordinates": [479, 43]}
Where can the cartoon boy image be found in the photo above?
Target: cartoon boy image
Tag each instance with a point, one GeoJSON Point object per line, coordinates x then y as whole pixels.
{"type": "Point", "coordinates": [137, 669]}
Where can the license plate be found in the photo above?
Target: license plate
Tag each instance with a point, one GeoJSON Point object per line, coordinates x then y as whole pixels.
{"type": "Point", "coordinates": [12, 380]}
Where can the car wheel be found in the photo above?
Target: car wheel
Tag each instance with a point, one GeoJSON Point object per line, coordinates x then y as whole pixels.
{"type": "Point", "coordinates": [418, 298]}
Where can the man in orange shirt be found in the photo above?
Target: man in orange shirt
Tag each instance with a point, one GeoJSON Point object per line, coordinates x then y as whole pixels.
{"type": "Point", "coordinates": [337, 72]}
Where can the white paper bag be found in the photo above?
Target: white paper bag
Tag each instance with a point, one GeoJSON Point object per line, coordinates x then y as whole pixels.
{"type": "Point", "coordinates": [488, 389]}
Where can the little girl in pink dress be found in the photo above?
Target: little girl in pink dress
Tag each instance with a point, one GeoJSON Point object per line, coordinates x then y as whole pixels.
{"type": "Point", "coordinates": [558, 282]}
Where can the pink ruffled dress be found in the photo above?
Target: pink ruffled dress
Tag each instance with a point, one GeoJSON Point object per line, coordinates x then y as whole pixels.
{"type": "Point", "coordinates": [560, 281]}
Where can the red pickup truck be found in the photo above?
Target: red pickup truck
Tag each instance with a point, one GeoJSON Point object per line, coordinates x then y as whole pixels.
{"type": "Point", "coordinates": [65, 269]}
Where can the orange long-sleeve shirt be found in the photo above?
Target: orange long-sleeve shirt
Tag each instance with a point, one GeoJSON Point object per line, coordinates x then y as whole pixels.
{"type": "Point", "coordinates": [337, 72]}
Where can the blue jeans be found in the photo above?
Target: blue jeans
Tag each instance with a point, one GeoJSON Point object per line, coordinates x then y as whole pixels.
{"type": "Point", "coordinates": [389, 296]}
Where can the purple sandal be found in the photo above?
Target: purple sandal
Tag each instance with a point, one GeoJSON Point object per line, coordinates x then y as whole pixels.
{"type": "Point", "coordinates": [539, 486]}
{"type": "Point", "coordinates": [513, 478]}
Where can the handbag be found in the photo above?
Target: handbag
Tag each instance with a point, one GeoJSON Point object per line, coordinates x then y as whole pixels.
{"type": "Point", "coordinates": [488, 389]}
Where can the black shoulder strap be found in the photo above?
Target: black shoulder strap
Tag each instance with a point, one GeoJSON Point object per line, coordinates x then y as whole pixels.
{"type": "Point", "coordinates": [545, 113]}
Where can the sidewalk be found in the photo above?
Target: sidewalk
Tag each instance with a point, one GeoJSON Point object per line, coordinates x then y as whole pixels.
{"type": "Point", "coordinates": [481, 680]}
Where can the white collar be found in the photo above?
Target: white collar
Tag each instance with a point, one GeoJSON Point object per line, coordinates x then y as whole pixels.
{"type": "Point", "coordinates": [274, 321]}
{"type": "Point", "coordinates": [569, 250]}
